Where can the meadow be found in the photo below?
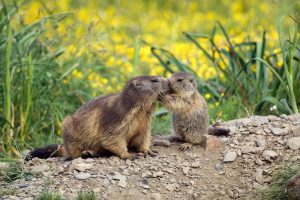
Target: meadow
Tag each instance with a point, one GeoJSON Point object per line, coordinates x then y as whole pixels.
{"type": "Point", "coordinates": [57, 55]}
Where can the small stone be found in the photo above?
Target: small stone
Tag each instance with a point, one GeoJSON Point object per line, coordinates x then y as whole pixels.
{"type": "Point", "coordinates": [156, 196]}
{"type": "Point", "coordinates": [185, 170]}
{"type": "Point", "coordinates": [195, 164]}
{"type": "Point", "coordinates": [293, 143]}
{"type": "Point", "coordinates": [40, 168]}
{"type": "Point", "coordinates": [249, 149]}
{"type": "Point", "coordinates": [161, 142]}
{"type": "Point", "coordinates": [170, 187]}
{"type": "Point", "coordinates": [260, 142]}
{"type": "Point", "coordinates": [118, 176]}
{"type": "Point", "coordinates": [219, 166]}
{"type": "Point", "coordinates": [277, 131]}
{"type": "Point", "coordinates": [122, 183]}
{"type": "Point", "coordinates": [82, 175]}
{"type": "Point", "coordinates": [82, 166]}
{"type": "Point", "coordinates": [145, 184]}
{"type": "Point", "coordinates": [269, 155]}
{"type": "Point", "coordinates": [230, 156]}
{"type": "Point", "coordinates": [296, 131]}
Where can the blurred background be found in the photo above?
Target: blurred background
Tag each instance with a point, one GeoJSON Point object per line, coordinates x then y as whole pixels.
{"type": "Point", "coordinates": [56, 55]}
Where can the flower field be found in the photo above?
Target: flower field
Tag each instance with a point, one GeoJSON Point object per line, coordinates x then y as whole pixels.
{"type": "Point", "coordinates": [56, 55]}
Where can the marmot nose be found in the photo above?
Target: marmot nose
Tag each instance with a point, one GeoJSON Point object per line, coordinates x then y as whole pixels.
{"type": "Point", "coordinates": [165, 84]}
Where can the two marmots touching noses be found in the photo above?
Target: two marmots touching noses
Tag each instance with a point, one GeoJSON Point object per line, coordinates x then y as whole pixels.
{"type": "Point", "coordinates": [115, 123]}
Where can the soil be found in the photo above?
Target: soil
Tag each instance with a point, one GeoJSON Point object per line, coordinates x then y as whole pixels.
{"type": "Point", "coordinates": [233, 167]}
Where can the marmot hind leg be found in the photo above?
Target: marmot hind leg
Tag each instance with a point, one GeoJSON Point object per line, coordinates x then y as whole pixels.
{"type": "Point", "coordinates": [117, 147]}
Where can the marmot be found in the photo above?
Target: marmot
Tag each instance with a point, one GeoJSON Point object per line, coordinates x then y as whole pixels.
{"type": "Point", "coordinates": [111, 123]}
{"type": "Point", "coordinates": [190, 112]}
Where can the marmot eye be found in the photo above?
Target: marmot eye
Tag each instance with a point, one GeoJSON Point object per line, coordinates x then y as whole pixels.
{"type": "Point", "coordinates": [191, 79]}
{"type": "Point", "coordinates": [179, 79]}
{"type": "Point", "coordinates": [154, 80]}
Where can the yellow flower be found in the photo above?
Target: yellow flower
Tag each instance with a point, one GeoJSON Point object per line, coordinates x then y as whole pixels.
{"type": "Point", "coordinates": [207, 96]}
{"type": "Point", "coordinates": [77, 74]}
{"type": "Point", "coordinates": [217, 104]}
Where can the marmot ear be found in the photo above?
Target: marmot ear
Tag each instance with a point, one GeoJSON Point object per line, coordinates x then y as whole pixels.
{"type": "Point", "coordinates": [136, 84]}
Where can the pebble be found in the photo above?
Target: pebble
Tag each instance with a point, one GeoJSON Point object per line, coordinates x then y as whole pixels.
{"type": "Point", "coordinates": [219, 166]}
{"type": "Point", "coordinates": [269, 155]}
{"type": "Point", "coordinates": [82, 175]}
{"type": "Point", "coordinates": [82, 166]}
{"type": "Point", "coordinates": [185, 170]}
{"type": "Point", "coordinates": [293, 143]}
{"type": "Point", "coordinates": [230, 156]}
{"type": "Point", "coordinates": [277, 131]}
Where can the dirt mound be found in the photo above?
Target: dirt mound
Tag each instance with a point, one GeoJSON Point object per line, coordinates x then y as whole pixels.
{"type": "Point", "coordinates": [232, 167]}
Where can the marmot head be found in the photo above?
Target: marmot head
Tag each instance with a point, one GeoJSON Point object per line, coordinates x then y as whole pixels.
{"type": "Point", "coordinates": [183, 84]}
{"type": "Point", "coordinates": [145, 89]}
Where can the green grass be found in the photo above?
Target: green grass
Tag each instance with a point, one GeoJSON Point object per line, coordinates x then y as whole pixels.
{"type": "Point", "coordinates": [251, 75]}
{"type": "Point", "coordinates": [47, 195]}
{"type": "Point", "coordinates": [277, 188]}
{"type": "Point", "coordinates": [82, 195]}
{"type": "Point", "coordinates": [15, 171]}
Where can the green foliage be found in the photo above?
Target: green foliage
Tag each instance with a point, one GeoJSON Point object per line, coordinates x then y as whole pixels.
{"type": "Point", "coordinates": [161, 123]}
{"type": "Point", "coordinates": [15, 171]}
{"type": "Point", "coordinates": [82, 195]}
{"type": "Point", "coordinates": [33, 95]}
{"type": "Point", "coordinates": [46, 195]}
{"type": "Point", "coordinates": [277, 188]}
{"type": "Point", "coordinates": [245, 71]}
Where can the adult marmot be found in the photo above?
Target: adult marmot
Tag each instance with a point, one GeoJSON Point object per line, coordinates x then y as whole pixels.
{"type": "Point", "coordinates": [111, 123]}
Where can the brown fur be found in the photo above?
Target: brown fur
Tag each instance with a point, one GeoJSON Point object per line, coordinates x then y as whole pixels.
{"type": "Point", "coordinates": [190, 110]}
{"type": "Point", "coordinates": [114, 122]}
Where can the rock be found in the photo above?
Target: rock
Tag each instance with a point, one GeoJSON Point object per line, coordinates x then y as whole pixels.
{"type": "Point", "coordinates": [269, 155]}
{"type": "Point", "coordinates": [156, 196]}
{"type": "Point", "coordinates": [122, 183]}
{"type": "Point", "coordinates": [277, 131]}
{"type": "Point", "coordinates": [82, 166]}
{"type": "Point", "coordinates": [293, 143]}
{"type": "Point", "coordinates": [161, 142]}
{"type": "Point", "coordinates": [213, 143]}
{"type": "Point", "coordinates": [82, 175]}
{"type": "Point", "coordinates": [195, 164]}
{"type": "Point", "coordinates": [158, 174]}
{"type": "Point", "coordinates": [260, 142]}
{"type": "Point", "coordinates": [259, 177]}
{"type": "Point", "coordinates": [249, 149]}
{"type": "Point", "coordinates": [39, 168]}
{"type": "Point", "coordinates": [117, 176]}
{"type": "Point", "coordinates": [293, 186]}
{"type": "Point", "coordinates": [230, 156]}
{"type": "Point", "coordinates": [170, 187]}
{"type": "Point", "coordinates": [185, 170]}
{"type": "Point", "coordinates": [145, 184]}
{"type": "Point", "coordinates": [219, 166]}
{"type": "Point", "coordinates": [259, 120]}
{"type": "Point", "coordinates": [296, 131]}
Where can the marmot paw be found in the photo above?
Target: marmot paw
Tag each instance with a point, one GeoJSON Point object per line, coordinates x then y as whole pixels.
{"type": "Point", "coordinates": [185, 146]}
{"type": "Point", "coordinates": [149, 152]}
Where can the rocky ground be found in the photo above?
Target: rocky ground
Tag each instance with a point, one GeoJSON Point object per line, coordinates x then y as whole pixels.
{"type": "Point", "coordinates": [233, 167]}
